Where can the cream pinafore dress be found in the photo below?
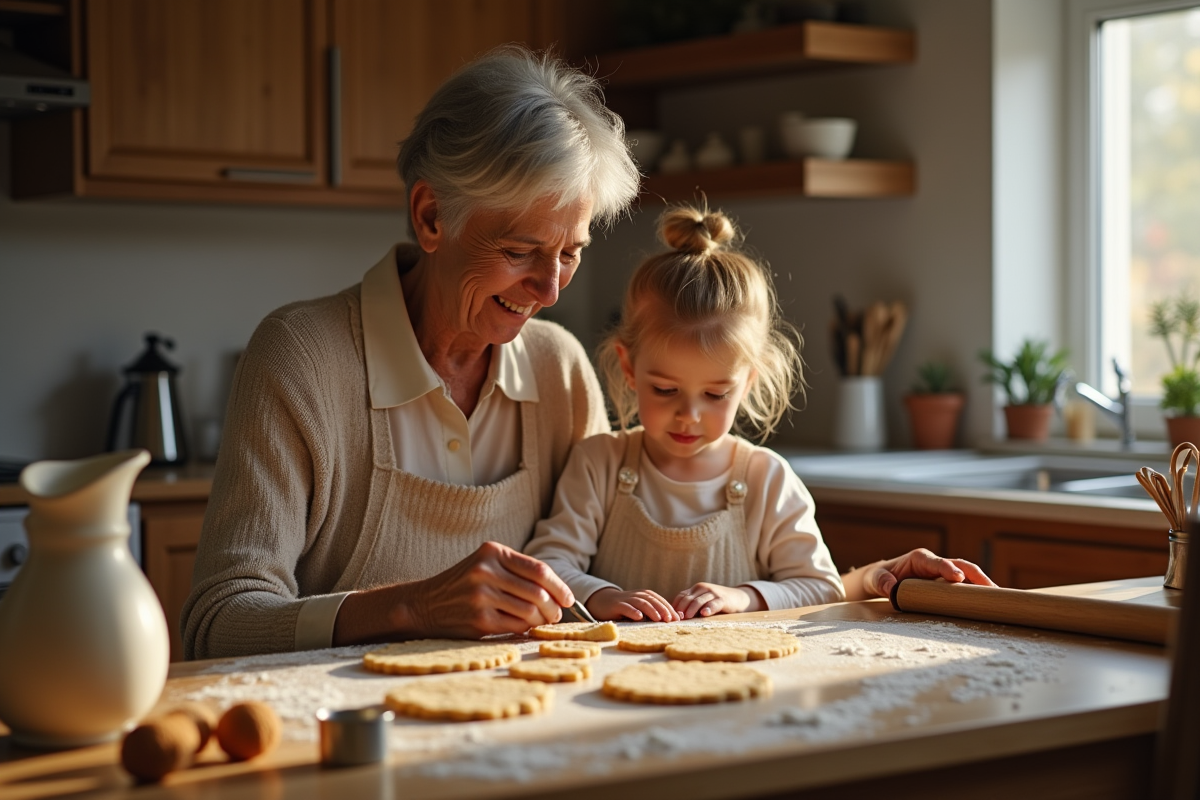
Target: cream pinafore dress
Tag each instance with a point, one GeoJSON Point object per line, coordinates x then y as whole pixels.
{"type": "Point", "coordinates": [635, 552]}
{"type": "Point", "coordinates": [427, 526]}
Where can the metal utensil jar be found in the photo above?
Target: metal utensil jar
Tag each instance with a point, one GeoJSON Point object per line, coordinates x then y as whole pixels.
{"type": "Point", "coordinates": [1177, 559]}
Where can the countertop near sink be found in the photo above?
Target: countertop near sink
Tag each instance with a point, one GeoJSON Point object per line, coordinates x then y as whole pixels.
{"type": "Point", "coordinates": [904, 479]}
{"type": "Point", "coordinates": [161, 484]}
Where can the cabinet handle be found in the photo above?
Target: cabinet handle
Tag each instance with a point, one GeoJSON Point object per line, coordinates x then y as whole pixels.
{"type": "Point", "coordinates": [335, 116]}
{"type": "Point", "coordinates": [269, 175]}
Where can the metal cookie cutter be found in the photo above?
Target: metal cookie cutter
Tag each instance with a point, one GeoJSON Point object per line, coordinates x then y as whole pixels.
{"type": "Point", "coordinates": [353, 736]}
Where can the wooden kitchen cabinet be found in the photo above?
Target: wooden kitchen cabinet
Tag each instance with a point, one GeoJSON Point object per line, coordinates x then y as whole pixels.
{"type": "Point", "coordinates": [394, 55]}
{"type": "Point", "coordinates": [259, 101]}
{"type": "Point", "coordinates": [207, 91]}
{"type": "Point", "coordinates": [170, 535]}
{"type": "Point", "coordinates": [1035, 563]}
{"type": "Point", "coordinates": [1016, 553]}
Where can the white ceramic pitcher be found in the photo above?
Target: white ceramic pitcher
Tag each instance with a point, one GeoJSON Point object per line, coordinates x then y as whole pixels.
{"type": "Point", "coordinates": [83, 639]}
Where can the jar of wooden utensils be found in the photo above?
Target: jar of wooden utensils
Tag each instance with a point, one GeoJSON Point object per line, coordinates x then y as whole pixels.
{"type": "Point", "coordinates": [1168, 491]}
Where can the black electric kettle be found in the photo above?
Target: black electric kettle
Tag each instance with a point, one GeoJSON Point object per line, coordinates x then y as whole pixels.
{"type": "Point", "coordinates": [146, 413]}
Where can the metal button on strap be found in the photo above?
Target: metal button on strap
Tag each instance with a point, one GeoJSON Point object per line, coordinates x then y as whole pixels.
{"type": "Point", "coordinates": [627, 476]}
{"type": "Point", "coordinates": [453, 445]}
{"type": "Point", "coordinates": [737, 490]}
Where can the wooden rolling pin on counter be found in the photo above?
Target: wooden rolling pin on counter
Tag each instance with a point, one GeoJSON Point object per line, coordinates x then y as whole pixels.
{"type": "Point", "coordinates": [1132, 622]}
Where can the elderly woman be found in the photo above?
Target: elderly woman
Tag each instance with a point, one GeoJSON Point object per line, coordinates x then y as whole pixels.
{"type": "Point", "coordinates": [389, 449]}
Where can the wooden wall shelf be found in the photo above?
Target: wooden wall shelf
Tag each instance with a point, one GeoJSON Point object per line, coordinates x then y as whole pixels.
{"type": "Point", "coordinates": [788, 48]}
{"type": "Point", "coordinates": [809, 177]}
{"type": "Point", "coordinates": [30, 8]}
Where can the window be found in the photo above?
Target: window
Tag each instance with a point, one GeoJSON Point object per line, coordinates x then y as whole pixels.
{"type": "Point", "coordinates": [1138, 199]}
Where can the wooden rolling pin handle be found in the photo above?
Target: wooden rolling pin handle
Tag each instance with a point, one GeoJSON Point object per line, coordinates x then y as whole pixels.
{"type": "Point", "coordinates": [1131, 621]}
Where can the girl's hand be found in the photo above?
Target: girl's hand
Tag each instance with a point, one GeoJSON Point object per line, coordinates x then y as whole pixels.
{"type": "Point", "coordinates": [877, 580]}
{"type": "Point", "coordinates": [706, 599]}
{"type": "Point", "coordinates": [612, 603]}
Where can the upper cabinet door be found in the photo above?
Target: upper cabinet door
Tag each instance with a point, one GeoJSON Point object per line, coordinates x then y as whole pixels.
{"type": "Point", "coordinates": [393, 57]}
{"type": "Point", "coordinates": [208, 91]}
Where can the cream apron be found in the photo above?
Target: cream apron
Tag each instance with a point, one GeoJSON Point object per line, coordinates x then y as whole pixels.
{"type": "Point", "coordinates": [437, 525]}
{"type": "Point", "coordinates": [635, 552]}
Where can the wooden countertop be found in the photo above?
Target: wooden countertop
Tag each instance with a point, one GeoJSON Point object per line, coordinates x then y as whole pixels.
{"type": "Point", "coordinates": [190, 482]}
{"type": "Point", "coordinates": [1096, 717]}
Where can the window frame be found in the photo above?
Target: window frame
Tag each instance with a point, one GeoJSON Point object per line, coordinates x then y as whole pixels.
{"type": "Point", "coordinates": [1084, 185]}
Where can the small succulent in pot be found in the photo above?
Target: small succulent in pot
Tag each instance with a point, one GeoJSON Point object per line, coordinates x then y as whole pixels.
{"type": "Point", "coordinates": [1040, 373]}
{"type": "Point", "coordinates": [1031, 382]}
{"type": "Point", "coordinates": [1171, 320]}
{"type": "Point", "coordinates": [934, 377]}
{"type": "Point", "coordinates": [934, 407]}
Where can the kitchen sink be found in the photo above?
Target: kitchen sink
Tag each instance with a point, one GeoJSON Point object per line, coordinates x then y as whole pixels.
{"type": "Point", "coordinates": [968, 469]}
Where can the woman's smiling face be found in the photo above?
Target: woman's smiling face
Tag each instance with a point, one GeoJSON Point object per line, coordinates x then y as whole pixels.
{"type": "Point", "coordinates": [506, 266]}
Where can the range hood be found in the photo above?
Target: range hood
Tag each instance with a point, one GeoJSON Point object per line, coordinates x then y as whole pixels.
{"type": "Point", "coordinates": [28, 86]}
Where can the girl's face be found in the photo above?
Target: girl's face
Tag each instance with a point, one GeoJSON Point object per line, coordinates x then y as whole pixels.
{"type": "Point", "coordinates": [687, 402]}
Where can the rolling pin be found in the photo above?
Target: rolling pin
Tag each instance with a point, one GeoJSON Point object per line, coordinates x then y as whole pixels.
{"type": "Point", "coordinates": [1132, 621]}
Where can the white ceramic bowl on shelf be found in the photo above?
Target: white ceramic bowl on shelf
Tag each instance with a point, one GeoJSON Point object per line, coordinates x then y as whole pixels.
{"type": "Point", "coordinates": [828, 137]}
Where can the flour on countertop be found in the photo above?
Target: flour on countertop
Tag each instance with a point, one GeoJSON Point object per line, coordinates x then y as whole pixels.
{"type": "Point", "coordinates": [888, 665]}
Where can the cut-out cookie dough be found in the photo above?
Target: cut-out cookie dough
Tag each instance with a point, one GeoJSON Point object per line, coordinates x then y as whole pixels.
{"type": "Point", "coordinates": [425, 656]}
{"type": "Point", "coordinates": [470, 698]}
{"type": "Point", "coordinates": [584, 631]}
{"type": "Point", "coordinates": [566, 648]}
{"type": "Point", "coordinates": [733, 644]}
{"type": "Point", "coordinates": [552, 670]}
{"type": "Point", "coordinates": [686, 683]}
{"type": "Point", "coordinates": [653, 638]}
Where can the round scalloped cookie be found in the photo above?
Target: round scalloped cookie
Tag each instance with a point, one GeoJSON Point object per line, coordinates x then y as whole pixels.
{"type": "Point", "coordinates": [568, 648]}
{"type": "Point", "coordinates": [552, 670]}
{"type": "Point", "coordinates": [686, 683]}
{"type": "Point", "coordinates": [584, 631]}
{"type": "Point", "coordinates": [425, 656]}
{"type": "Point", "coordinates": [733, 644]}
{"type": "Point", "coordinates": [470, 698]}
{"type": "Point", "coordinates": [654, 637]}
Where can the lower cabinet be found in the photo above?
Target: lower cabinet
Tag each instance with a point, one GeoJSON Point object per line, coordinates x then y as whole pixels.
{"type": "Point", "coordinates": [1016, 553]}
{"type": "Point", "coordinates": [170, 534]}
{"type": "Point", "coordinates": [1033, 563]}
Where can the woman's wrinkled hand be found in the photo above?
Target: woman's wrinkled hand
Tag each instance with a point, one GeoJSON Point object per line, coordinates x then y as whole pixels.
{"type": "Point", "coordinates": [611, 603]}
{"type": "Point", "coordinates": [494, 590]}
{"type": "Point", "coordinates": [706, 599]}
{"type": "Point", "coordinates": [879, 578]}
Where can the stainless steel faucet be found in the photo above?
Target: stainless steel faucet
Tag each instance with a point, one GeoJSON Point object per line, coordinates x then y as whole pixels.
{"type": "Point", "coordinates": [1117, 410]}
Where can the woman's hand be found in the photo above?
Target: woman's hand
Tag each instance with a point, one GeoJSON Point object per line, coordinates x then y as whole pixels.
{"type": "Point", "coordinates": [706, 599]}
{"type": "Point", "coordinates": [877, 580]}
{"type": "Point", "coordinates": [611, 603]}
{"type": "Point", "coordinates": [494, 590]}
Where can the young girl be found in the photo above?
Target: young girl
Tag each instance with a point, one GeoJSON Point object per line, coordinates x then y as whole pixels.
{"type": "Point", "coordinates": [678, 517]}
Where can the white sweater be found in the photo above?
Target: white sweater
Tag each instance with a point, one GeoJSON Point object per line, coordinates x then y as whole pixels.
{"type": "Point", "coordinates": [780, 521]}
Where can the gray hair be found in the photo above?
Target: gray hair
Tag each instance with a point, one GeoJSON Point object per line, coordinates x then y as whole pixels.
{"type": "Point", "coordinates": [513, 127]}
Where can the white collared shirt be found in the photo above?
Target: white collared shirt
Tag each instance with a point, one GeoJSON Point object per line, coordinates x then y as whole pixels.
{"type": "Point", "coordinates": [431, 436]}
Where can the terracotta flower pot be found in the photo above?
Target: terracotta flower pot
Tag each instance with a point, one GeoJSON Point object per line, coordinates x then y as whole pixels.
{"type": "Point", "coordinates": [934, 419]}
{"type": "Point", "coordinates": [1028, 421]}
{"type": "Point", "coordinates": [1183, 429]}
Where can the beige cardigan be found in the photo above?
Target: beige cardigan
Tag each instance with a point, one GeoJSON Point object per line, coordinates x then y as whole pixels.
{"type": "Point", "coordinates": [300, 476]}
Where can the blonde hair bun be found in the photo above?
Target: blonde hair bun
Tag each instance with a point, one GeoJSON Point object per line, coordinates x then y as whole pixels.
{"type": "Point", "coordinates": [690, 230]}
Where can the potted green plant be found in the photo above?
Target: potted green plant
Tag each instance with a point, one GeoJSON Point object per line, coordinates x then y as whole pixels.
{"type": "Point", "coordinates": [1180, 318]}
{"type": "Point", "coordinates": [934, 407]}
{"type": "Point", "coordinates": [1030, 382]}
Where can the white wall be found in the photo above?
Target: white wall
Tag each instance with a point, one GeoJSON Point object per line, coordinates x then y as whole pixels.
{"type": "Point", "coordinates": [933, 251]}
{"type": "Point", "coordinates": [80, 281]}
{"type": "Point", "coordinates": [1029, 169]}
